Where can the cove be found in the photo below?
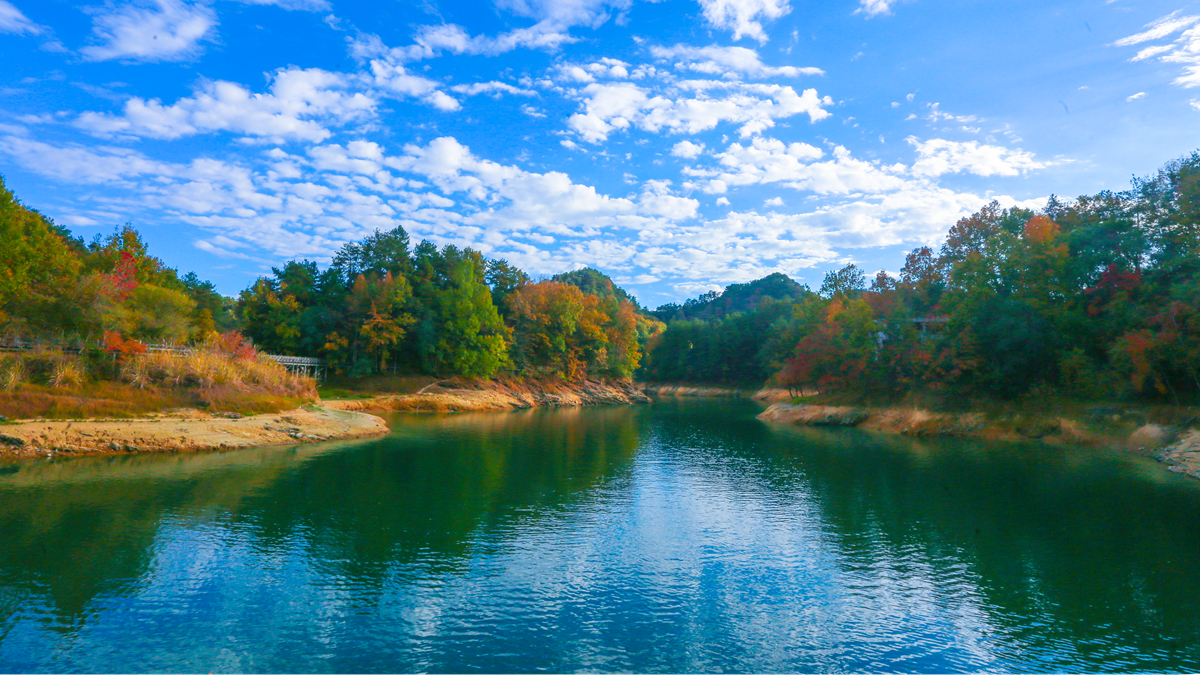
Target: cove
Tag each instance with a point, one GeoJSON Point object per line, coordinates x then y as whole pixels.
{"type": "Point", "coordinates": [680, 536]}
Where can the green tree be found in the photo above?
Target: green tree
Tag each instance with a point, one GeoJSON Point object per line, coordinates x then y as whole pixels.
{"type": "Point", "coordinates": [469, 337]}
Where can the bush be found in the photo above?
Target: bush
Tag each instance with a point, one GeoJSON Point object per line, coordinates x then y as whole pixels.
{"type": "Point", "coordinates": [12, 371]}
{"type": "Point", "coordinates": [55, 368]}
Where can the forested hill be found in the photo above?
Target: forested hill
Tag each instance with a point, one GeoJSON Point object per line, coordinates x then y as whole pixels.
{"type": "Point", "coordinates": [1094, 298]}
{"type": "Point", "coordinates": [597, 283]}
{"type": "Point", "coordinates": [735, 298]}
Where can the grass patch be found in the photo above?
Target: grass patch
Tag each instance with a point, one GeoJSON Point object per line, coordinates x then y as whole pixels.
{"type": "Point", "coordinates": [368, 387]}
{"type": "Point", "coordinates": [55, 385]}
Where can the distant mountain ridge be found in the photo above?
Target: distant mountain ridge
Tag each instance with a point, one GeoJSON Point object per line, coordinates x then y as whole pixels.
{"type": "Point", "coordinates": [735, 298]}
{"type": "Point", "coordinates": [590, 280]}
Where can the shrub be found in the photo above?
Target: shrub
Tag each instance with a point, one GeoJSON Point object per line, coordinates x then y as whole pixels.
{"type": "Point", "coordinates": [12, 371]}
{"type": "Point", "coordinates": [67, 372]}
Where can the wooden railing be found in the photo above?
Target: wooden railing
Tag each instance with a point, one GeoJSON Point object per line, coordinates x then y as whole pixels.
{"type": "Point", "coordinates": [299, 365]}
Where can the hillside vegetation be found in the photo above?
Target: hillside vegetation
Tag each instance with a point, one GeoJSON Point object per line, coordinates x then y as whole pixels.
{"type": "Point", "coordinates": [1098, 298]}
{"type": "Point", "coordinates": [382, 307]}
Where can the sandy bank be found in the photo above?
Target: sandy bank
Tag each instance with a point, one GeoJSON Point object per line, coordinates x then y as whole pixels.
{"type": "Point", "coordinates": [482, 396]}
{"type": "Point", "coordinates": [184, 431]}
{"type": "Point", "coordinates": [1179, 448]}
{"type": "Point", "coordinates": [689, 390]}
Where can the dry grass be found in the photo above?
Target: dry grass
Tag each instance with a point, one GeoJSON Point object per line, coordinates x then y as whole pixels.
{"type": "Point", "coordinates": [91, 400]}
{"type": "Point", "coordinates": [57, 385]}
{"type": "Point", "coordinates": [210, 370]}
{"type": "Point", "coordinates": [12, 371]}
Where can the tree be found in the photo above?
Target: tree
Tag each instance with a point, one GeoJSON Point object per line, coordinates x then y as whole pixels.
{"type": "Point", "coordinates": [503, 279]}
{"type": "Point", "coordinates": [469, 338]}
{"type": "Point", "coordinates": [38, 268]}
{"type": "Point", "coordinates": [555, 326]}
{"type": "Point", "coordinates": [836, 355]}
{"type": "Point", "coordinates": [378, 307]}
{"type": "Point", "coordinates": [379, 253]}
{"type": "Point", "coordinates": [846, 282]}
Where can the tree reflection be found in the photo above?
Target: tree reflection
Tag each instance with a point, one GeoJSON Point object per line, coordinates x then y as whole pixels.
{"type": "Point", "coordinates": [77, 529]}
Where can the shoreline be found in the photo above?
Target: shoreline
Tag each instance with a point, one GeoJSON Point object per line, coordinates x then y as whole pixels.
{"type": "Point", "coordinates": [705, 391]}
{"type": "Point", "coordinates": [183, 431]}
{"type": "Point", "coordinates": [498, 395]}
{"type": "Point", "coordinates": [1177, 447]}
{"type": "Point", "coordinates": [189, 430]}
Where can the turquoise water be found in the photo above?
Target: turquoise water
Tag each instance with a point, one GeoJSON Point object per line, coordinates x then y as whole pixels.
{"type": "Point", "coordinates": [680, 536]}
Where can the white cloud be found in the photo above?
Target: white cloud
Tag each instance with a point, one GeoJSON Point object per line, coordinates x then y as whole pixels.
{"type": "Point", "coordinates": [565, 13]}
{"type": "Point", "coordinates": [727, 62]}
{"type": "Point", "coordinates": [394, 79]}
{"type": "Point", "coordinates": [1195, 103]}
{"type": "Point", "coordinates": [1151, 52]}
{"type": "Point", "coordinates": [936, 114]}
{"type": "Point", "coordinates": [361, 157]}
{"type": "Point", "coordinates": [307, 204]}
{"type": "Point", "coordinates": [1159, 28]}
{"type": "Point", "coordinates": [1184, 50]}
{"type": "Point", "coordinates": [618, 106]}
{"type": "Point", "coordinates": [161, 30]}
{"type": "Point", "coordinates": [768, 160]}
{"type": "Point", "coordinates": [299, 105]}
{"type": "Point", "coordinates": [494, 89]}
{"type": "Point", "coordinates": [13, 21]}
{"type": "Point", "coordinates": [78, 164]}
{"type": "Point", "coordinates": [1136, 96]}
{"type": "Point", "coordinates": [937, 156]}
{"type": "Point", "coordinates": [575, 74]}
{"type": "Point", "coordinates": [609, 67]}
{"type": "Point", "coordinates": [741, 16]}
{"type": "Point", "coordinates": [687, 149]}
{"type": "Point", "coordinates": [774, 201]}
{"type": "Point", "coordinates": [874, 7]}
{"type": "Point", "coordinates": [431, 41]}
{"type": "Point", "coordinates": [299, 5]}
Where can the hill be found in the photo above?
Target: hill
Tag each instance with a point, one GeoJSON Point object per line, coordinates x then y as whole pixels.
{"type": "Point", "coordinates": [594, 281]}
{"type": "Point", "coordinates": [735, 298]}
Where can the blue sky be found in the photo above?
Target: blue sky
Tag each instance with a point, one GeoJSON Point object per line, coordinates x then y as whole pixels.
{"type": "Point", "coordinates": [678, 145]}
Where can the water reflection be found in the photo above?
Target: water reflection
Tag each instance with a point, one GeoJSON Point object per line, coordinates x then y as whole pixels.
{"type": "Point", "coordinates": [679, 536]}
{"type": "Point", "coordinates": [1080, 556]}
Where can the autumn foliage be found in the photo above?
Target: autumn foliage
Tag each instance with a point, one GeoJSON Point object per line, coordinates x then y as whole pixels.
{"type": "Point", "coordinates": [560, 330]}
{"type": "Point", "coordinates": [1097, 298]}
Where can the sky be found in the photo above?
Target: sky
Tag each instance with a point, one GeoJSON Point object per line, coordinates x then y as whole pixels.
{"type": "Point", "coordinates": [676, 145]}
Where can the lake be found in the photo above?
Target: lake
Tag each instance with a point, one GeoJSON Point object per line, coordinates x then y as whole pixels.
{"type": "Point", "coordinates": [679, 536]}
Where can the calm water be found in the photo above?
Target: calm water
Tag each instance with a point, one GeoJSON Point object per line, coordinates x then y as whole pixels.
{"type": "Point", "coordinates": [674, 537]}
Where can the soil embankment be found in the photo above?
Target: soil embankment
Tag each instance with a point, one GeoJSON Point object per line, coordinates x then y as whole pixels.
{"type": "Point", "coordinates": [183, 431]}
{"type": "Point", "coordinates": [481, 396]}
{"type": "Point", "coordinates": [1177, 446]}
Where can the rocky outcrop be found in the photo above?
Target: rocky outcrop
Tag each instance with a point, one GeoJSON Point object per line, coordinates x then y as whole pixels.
{"type": "Point", "coordinates": [1183, 456]}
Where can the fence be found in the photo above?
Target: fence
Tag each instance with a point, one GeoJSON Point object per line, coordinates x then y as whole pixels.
{"type": "Point", "coordinates": [297, 365]}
